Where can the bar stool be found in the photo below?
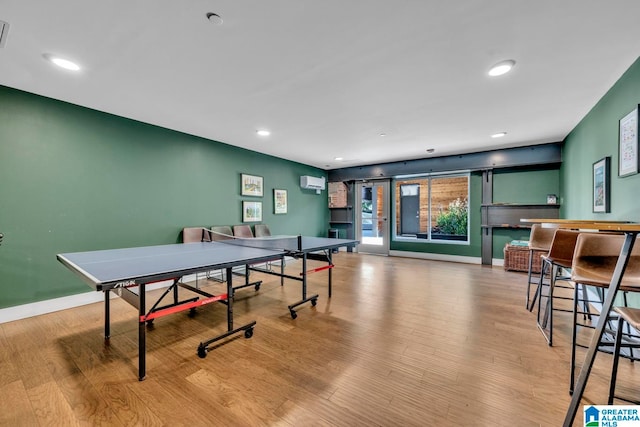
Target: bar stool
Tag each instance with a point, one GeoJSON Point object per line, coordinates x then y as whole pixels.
{"type": "Point", "coordinates": [539, 244]}
{"type": "Point", "coordinates": [560, 257]}
{"type": "Point", "coordinates": [632, 318]}
{"type": "Point", "coordinates": [594, 260]}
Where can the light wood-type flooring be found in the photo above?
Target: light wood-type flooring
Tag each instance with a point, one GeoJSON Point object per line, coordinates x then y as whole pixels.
{"type": "Point", "coordinates": [402, 342]}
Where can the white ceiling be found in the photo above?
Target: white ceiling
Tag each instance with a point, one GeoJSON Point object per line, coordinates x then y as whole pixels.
{"type": "Point", "coordinates": [327, 77]}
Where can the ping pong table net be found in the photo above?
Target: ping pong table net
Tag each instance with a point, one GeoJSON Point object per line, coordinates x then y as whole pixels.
{"type": "Point", "coordinates": [220, 232]}
{"type": "Point", "coordinates": [283, 243]}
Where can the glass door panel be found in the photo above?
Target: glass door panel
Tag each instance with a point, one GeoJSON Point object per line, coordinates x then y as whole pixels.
{"type": "Point", "coordinates": [372, 217]}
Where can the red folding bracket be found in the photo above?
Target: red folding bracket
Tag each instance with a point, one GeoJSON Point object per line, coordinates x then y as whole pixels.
{"type": "Point", "coordinates": [324, 267]}
{"type": "Point", "coordinates": [182, 307]}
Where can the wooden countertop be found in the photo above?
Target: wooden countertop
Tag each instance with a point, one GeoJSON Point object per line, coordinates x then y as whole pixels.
{"type": "Point", "coordinates": [587, 224]}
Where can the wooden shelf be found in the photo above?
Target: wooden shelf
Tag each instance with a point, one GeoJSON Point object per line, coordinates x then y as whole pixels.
{"type": "Point", "coordinates": [508, 215]}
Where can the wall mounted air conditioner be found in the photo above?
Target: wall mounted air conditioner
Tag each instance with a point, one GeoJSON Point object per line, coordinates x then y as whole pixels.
{"type": "Point", "coordinates": [312, 183]}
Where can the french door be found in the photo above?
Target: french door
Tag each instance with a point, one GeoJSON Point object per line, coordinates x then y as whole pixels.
{"type": "Point", "coordinates": [371, 216]}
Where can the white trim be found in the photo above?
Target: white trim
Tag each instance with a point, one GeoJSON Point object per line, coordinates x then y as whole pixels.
{"type": "Point", "coordinates": [63, 303]}
{"type": "Point", "coordinates": [437, 257]}
{"type": "Point", "coordinates": [498, 261]}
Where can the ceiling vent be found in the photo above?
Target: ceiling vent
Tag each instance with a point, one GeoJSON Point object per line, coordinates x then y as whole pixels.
{"type": "Point", "coordinates": [4, 31]}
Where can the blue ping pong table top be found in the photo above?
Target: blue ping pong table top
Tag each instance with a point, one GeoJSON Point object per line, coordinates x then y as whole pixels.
{"type": "Point", "coordinates": [114, 268]}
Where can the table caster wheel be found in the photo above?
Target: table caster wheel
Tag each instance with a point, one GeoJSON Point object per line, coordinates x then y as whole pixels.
{"type": "Point", "coordinates": [248, 333]}
{"type": "Point", "coordinates": [314, 302]}
{"type": "Point", "coordinates": [202, 352]}
{"type": "Point", "coordinates": [192, 312]}
{"type": "Point", "coordinates": [293, 314]}
{"type": "Point", "coordinates": [257, 287]}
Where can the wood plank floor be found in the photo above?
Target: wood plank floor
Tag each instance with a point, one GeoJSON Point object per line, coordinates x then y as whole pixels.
{"type": "Point", "coordinates": [402, 342]}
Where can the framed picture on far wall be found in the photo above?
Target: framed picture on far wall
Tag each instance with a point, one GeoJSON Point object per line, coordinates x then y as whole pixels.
{"type": "Point", "coordinates": [251, 185]}
{"type": "Point", "coordinates": [279, 201]}
{"type": "Point", "coordinates": [628, 159]}
{"type": "Point", "coordinates": [251, 211]}
{"type": "Point", "coordinates": [602, 185]}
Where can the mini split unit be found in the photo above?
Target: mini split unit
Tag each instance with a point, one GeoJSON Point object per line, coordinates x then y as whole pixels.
{"type": "Point", "coordinates": [312, 183]}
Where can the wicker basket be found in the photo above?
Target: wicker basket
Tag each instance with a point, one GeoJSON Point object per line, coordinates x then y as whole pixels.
{"type": "Point", "coordinates": [516, 258]}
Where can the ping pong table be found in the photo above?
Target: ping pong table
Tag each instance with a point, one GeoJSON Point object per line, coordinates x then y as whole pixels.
{"type": "Point", "coordinates": [121, 271]}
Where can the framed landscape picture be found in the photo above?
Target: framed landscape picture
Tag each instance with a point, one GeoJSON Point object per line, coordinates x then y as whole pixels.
{"type": "Point", "coordinates": [602, 185]}
{"type": "Point", "coordinates": [251, 185]}
{"type": "Point", "coordinates": [251, 211]}
{"type": "Point", "coordinates": [279, 201]}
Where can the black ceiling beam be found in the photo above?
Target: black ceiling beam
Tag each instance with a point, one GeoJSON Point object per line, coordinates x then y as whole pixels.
{"type": "Point", "coordinates": [534, 155]}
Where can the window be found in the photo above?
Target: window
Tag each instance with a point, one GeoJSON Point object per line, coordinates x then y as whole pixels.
{"type": "Point", "coordinates": [432, 208]}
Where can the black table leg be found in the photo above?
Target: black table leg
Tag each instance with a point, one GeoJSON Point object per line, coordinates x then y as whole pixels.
{"type": "Point", "coordinates": [107, 315]}
{"type": "Point", "coordinates": [330, 261]}
{"type": "Point", "coordinates": [142, 334]}
{"type": "Point", "coordinates": [203, 348]}
{"type": "Point", "coordinates": [230, 297]}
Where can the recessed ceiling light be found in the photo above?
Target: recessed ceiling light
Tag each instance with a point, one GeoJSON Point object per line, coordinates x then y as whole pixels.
{"type": "Point", "coordinates": [263, 132]}
{"type": "Point", "coordinates": [214, 18]}
{"type": "Point", "coordinates": [498, 135]}
{"type": "Point", "coordinates": [502, 67]}
{"type": "Point", "coordinates": [383, 134]}
{"type": "Point", "coordinates": [339, 159]}
{"type": "Point", "coordinates": [61, 62]}
{"type": "Point", "coordinates": [430, 150]}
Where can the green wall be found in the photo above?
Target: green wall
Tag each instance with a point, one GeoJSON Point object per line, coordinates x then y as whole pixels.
{"type": "Point", "coordinates": [595, 137]}
{"type": "Point", "coordinates": [74, 179]}
{"type": "Point", "coordinates": [526, 186]}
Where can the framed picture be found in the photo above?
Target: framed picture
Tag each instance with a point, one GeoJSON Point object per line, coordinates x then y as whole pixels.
{"type": "Point", "coordinates": [251, 211]}
{"type": "Point", "coordinates": [279, 201]}
{"type": "Point", "coordinates": [628, 144]}
{"type": "Point", "coordinates": [251, 185]}
{"type": "Point", "coordinates": [602, 185]}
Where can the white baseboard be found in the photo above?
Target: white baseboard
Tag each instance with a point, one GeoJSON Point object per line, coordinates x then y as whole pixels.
{"type": "Point", "coordinates": [437, 257]}
{"type": "Point", "coordinates": [63, 303]}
